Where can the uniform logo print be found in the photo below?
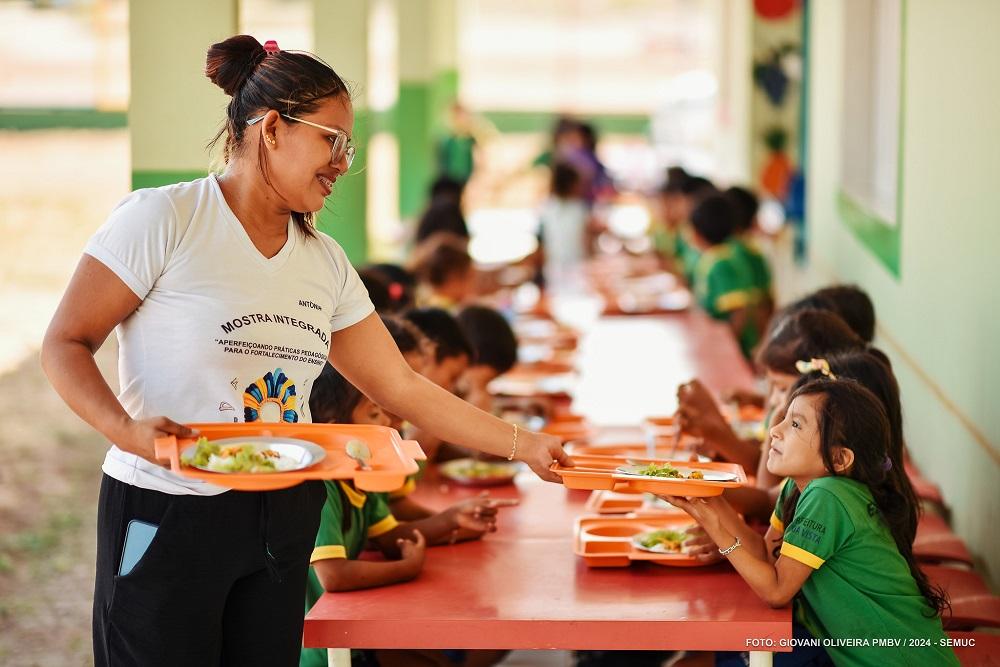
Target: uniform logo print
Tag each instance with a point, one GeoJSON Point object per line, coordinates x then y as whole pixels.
{"type": "Point", "coordinates": [275, 387]}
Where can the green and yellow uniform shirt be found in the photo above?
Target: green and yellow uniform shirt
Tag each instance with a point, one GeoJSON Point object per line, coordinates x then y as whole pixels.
{"type": "Point", "coordinates": [723, 283]}
{"type": "Point", "coordinates": [340, 536]}
{"type": "Point", "coordinates": [861, 590]}
{"type": "Point", "coordinates": [664, 241]}
{"type": "Point", "coordinates": [760, 269]}
{"type": "Point", "coordinates": [427, 298]}
{"type": "Point", "coordinates": [686, 251]}
{"type": "Point", "coordinates": [409, 486]}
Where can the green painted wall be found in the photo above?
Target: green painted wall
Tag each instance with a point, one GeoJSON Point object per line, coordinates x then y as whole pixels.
{"type": "Point", "coordinates": [340, 37]}
{"type": "Point", "coordinates": [173, 109]}
{"type": "Point", "coordinates": [154, 179]}
{"type": "Point", "coordinates": [416, 146]}
{"type": "Point", "coordinates": [938, 319]}
{"type": "Point", "coordinates": [543, 121]}
{"type": "Point", "coordinates": [48, 119]}
{"type": "Point", "coordinates": [344, 215]}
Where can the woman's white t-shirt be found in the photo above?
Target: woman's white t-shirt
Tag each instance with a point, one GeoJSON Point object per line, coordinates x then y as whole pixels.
{"type": "Point", "coordinates": [223, 334]}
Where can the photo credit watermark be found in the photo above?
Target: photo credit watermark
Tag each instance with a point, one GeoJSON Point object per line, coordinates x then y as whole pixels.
{"type": "Point", "coordinates": [758, 643]}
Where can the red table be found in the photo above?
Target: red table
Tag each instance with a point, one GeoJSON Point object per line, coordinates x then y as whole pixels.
{"type": "Point", "coordinates": [523, 588]}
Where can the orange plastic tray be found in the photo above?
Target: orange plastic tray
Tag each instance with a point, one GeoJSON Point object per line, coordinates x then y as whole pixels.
{"type": "Point", "coordinates": [536, 331]}
{"type": "Point", "coordinates": [568, 417]}
{"type": "Point", "coordinates": [569, 430]}
{"type": "Point", "coordinates": [631, 450]}
{"type": "Point", "coordinates": [393, 458]}
{"type": "Point", "coordinates": [660, 426]}
{"type": "Point", "coordinates": [603, 542]}
{"type": "Point", "coordinates": [617, 503]}
{"type": "Point", "coordinates": [598, 473]}
{"type": "Point", "coordinates": [546, 366]}
{"type": "Point", "coordinates": [525, 384]}
{"type": "Point", "coordinates": [751, 413]}
{"type": "Point", "coordinates": [613, 502]}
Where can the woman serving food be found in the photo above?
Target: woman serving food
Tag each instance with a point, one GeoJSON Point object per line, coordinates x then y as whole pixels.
{"type": "Point", "coordinates": [227, 302]}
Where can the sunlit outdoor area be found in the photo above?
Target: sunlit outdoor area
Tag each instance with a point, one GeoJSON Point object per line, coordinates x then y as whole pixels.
{"type": "Point", "coordinates": [419, 333]}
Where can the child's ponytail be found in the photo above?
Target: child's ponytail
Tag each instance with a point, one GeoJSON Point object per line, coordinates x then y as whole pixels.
{"type": "Point", "coordinates": [900, 515]}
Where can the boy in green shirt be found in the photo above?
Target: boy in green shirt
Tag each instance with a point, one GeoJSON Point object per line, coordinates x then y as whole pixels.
{"type": "Point", "coordinates": [723, 281]}
{"type": "Point", "coordinates": [351, 518]}
{"type": "Point", "coordinates": [745, 207]}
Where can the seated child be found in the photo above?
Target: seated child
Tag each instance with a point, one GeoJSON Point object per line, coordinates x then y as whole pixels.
{"type": "Point", "coordinates": [723, 280]}
{"type": "Point", "coordinates": [564, 218]}
{"type": "Point", "coordinates": [838, 546]}
{"type": "Point", "coordinates": [494, 352]}
{"type": "Point", "coordinates": [693, 189]}
{"type": "Point", "coordinates": [745, 206]}
{"type": "Point", "coordinates": [806, 334]}
{"type": "Point", "coordinates": [444, 270]}
{"type": "Point", "coordinates": [494, 349]}
{"type": "Point", "coordinates": [672, 213]}
{"type": "Point", "coordinates": [867, 367]}
{"type": "Point", "coordinates": [849, 302]}
{"type": "Point", "coordinates": [350, 517]}
{"type": "Point", "coordinates": [378, 289]}
{"type": "Point", "coordinates": [451, 349]}
{"type": "Point", "coordinates": [446, 364]}
{"type": "Point", "coordinates": [417, 351]}
{"type": "Point", "coordinates": [871, 369]}
{"type": "Point", "coordinates": [444, 212]}
{"type": "Point", "coordinates": [399, 282]}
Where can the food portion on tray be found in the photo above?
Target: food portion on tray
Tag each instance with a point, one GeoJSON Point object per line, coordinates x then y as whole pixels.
{"type": "Point", "coordinates": [660, 470]}
{"type": "Point", "coordinates": [665, 541]}
{"type": "Point", "coordinates": [619, 542]}
{"type": "Point", "coordinates": [251, 455]}
{"type": "Point", "coordinates": [472, 472]}
{"type": "Point", "coordinates": [264, 457]}
{"type": "Point", "coordinates": [668, 471]}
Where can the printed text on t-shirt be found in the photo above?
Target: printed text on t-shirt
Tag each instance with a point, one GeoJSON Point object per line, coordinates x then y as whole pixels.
{"type": "Point", "coordinates": [261, 318]}
{"type": "Point", "coordinates": [273, 351]}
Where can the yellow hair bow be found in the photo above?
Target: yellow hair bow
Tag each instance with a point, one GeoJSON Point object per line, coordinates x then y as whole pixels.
{"type": "Point", "coordinates": [819, 365]}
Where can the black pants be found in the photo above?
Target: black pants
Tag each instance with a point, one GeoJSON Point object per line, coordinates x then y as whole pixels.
{"type": "Point", "coordinates": [222, 583]}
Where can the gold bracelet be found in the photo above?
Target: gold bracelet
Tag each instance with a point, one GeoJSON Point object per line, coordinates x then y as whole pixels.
{"type": "Point", "coordinates": [513, 449]}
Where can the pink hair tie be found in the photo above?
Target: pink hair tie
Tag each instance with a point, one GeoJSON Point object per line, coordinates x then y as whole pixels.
{"type": "Point", "coordinates": [271, 46]}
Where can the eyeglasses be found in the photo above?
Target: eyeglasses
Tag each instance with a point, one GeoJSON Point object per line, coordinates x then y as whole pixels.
{"type": "Point", "coordinates": [340, 143]}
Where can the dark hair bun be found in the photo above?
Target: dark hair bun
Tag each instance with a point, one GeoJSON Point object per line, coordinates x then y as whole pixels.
{"type": "Point", "coordinates": [231, 62]}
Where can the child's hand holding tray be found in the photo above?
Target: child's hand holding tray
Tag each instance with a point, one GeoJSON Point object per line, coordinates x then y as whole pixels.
{"type": "Point", "coordinates": [612, 473]}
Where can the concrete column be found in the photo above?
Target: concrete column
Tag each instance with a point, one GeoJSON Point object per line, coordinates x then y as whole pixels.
{"type": "Point", "coordinates": [444, 60]}
{"type": "Point", "coordinates": [174, 110]}
{"type": "Point", "coordinates": [340, 29]}
{"type": "Point", "coordinates": [428, 84]}
{"type": "Point", "coordinates": [414, 119]}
